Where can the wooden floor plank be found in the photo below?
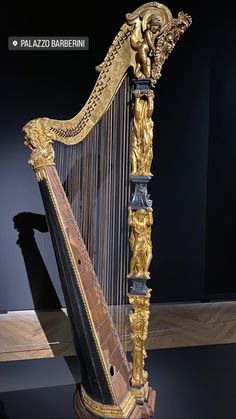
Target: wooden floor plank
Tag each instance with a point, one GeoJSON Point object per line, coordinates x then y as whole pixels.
{"type": "Point", "coordinates": [46, 333]}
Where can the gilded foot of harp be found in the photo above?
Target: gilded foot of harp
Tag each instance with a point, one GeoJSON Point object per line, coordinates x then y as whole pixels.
{"type": "Point", "coordinates": [144, 411]}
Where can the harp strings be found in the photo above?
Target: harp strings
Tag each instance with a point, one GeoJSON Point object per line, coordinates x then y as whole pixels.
{"type": "Point", "coordinates": [95, 176]}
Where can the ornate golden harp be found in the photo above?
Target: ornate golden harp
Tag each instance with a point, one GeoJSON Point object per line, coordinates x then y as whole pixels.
{"type": "Point", "coordinates": [97, 204]}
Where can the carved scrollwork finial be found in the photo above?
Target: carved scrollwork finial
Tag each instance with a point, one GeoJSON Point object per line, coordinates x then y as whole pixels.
{"type": "Point", "coordinates": [167, 41]}
{"type": "Point", "coordinates": [154, 37]}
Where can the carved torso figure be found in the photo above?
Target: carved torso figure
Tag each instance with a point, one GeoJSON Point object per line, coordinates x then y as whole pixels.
{"type": "Point", "coordinates": [140, 240]}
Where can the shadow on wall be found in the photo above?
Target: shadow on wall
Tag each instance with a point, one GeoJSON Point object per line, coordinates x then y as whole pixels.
{"type": "Point", "coordinates": [2, 411]}
{"type": "Point", "coordinates": [43, 292]}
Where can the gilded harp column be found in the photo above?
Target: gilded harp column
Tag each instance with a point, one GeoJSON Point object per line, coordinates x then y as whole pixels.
{"type": "Point", "coordinates": [154, 37]}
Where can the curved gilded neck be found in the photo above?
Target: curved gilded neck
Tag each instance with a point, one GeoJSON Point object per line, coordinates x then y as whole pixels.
{"type": "Point", "coordinates": [144, 42]}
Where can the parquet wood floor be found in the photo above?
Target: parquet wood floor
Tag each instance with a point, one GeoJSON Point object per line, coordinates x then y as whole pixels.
{"type": "Point", "coordinates": [42, 334]}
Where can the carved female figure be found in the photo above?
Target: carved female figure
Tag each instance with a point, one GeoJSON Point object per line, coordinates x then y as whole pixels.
{"type": "Point", "coordinates": [140, 241]}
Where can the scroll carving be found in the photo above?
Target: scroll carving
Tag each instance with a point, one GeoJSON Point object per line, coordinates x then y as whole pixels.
{"type": "Point", "coordinates": [166, 43]}
{"type": "Point", "coordinates": [140, 197]}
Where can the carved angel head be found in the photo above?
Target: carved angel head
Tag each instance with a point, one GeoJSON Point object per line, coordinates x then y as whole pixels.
{"type": "Point", "coordinates": [154, 23]}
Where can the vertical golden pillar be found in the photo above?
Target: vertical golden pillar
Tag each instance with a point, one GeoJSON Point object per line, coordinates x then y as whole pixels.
{"type": "Point", "coordinates": [139, 319]}
{"type": "Point", "coordinates": [154, 37]}
{"type": "Point", "coordinates": [140, 220]}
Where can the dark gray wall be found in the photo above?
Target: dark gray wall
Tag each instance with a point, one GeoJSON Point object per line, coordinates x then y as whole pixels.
{"type": "Point", "coordinates": [27, 264]}
{"type": "Point", "coordinates": [193, 189]}
{"type": "Point", "coordinates": [221, 181]}
{"type": "Point", "coordinates": [181, 153]}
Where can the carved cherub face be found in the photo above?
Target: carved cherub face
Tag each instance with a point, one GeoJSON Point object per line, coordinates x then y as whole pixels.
{"type": "Point", "coordinates": [154, 24]}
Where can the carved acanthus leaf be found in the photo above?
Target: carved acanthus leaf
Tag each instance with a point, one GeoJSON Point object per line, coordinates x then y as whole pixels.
{"type": "Point", "coordinates": [167, 41]}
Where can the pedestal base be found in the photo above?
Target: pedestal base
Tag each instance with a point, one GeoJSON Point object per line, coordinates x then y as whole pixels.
{"type": "Point", "coordinates": [80, 408]}
{"type": "Point", "coordinates": [144, 411]}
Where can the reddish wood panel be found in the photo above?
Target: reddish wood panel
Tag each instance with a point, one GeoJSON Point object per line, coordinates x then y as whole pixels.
{"type": "Point", "coordinates": [110, 344]}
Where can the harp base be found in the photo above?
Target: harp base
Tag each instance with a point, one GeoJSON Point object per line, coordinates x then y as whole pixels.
{"type": "Point", "coordinates": [140, 411]}
{"type": "Point", "coordinates": [80, 408]}
{"type": "Point", "coordinates": [146, 410]}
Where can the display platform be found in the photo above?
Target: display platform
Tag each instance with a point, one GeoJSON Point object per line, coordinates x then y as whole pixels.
{"type": "Point", "coordinates": [191, 383]}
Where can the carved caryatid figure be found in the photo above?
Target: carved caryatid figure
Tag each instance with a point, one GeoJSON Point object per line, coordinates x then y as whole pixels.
{"type": "Point", "coordinates": [140, 242]}
{"type": "Point", "coordinates": [141, 151]}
